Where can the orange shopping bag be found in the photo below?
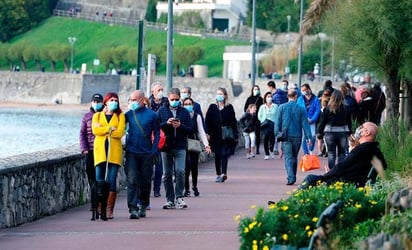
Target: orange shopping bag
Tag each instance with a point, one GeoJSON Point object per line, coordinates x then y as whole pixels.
{"type": "Point", "coordinates": [309, 162]}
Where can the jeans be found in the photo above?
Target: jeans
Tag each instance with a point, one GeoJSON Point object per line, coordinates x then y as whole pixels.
{"type": "Point", "coordinates": [290, 150]}
{"type": "Point", "coordinates": [312, 139]}
{"type": "Point", "coordinates": [139, 171]}
{"type": "Point", "coordinates": [250, 140]}
{"type": "Point", "coordinates": [174, 162]}
{"type": "Point", "coordinates": [158, 172]}
{"type": "Point", "coordinates": [111, 176]}
{"type": "Point", "coordinates": [192, 167]}
{"type": "Point", "coordinates": [335, 141]}
{"type": "Point", "coordinates": [221, 158]}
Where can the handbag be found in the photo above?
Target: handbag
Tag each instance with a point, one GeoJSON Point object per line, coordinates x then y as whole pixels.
{"type": "Point", "coordinates": [309, 162]}
{"type": "Point", "coordinates": [267, 125]}
{"type": "Point", "coordinates": [227, 133]}
{"type": "Point", "coordinates": [194, 145]}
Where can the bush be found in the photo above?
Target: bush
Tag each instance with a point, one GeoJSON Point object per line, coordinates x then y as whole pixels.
{"type": "Point", "coordinates": [292, 221]}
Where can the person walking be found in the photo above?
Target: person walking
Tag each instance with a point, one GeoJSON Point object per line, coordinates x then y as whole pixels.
{"type": "Point", "coordinates": [335, 126]}
{"type": "Point", "coordinates": [177, 124]}
{"type": "Point", "coordinates": [249, 122]}
{"type": "Point", "coordinates": [266, 115]}
{"type": "Point", "coordinates": [108, 126]}
{"type": "Point", "coordinates": [221, 115]}
{"type": "Point", "coordinates": [291, 119]}
{"type": "Point", "coordinates": [86, 137]}
{"type": "Point", "coordinates": [255, 98]}
{"type": "Point", "coordinates": [192, 158]}
{"type": "Point", "coordinates": [311, 104]}
{"type": "Point", "coordinates": [140, 153]}
{"type": "Point", "coordinates": [157, 100]}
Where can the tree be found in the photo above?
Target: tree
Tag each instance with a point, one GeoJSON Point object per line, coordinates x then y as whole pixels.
{"type": "Point", "coordinates": [106, 56]}
{"type": "Point", "coordinates": [4, 47]}
{"type": "Point", "coordinates": [56, 52]}
{"type": "Point", "coordinates": [15, 54]}
{"type": "Point", "coordinates": [377, 33]}
{"type": "Point", "coordinates": [32, 53]}
{"type": "Point", "coordinates": [151, 13]}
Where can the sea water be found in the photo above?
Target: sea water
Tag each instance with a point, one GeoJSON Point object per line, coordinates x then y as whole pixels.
{"type": "Point", "coordinates": [28, 130]}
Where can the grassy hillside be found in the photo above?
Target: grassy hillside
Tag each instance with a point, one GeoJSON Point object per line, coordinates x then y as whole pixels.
{"type": "Point", "coordinates": [92, 37]}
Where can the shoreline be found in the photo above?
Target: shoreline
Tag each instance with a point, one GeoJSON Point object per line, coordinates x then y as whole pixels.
{"type": "Point", "coordinates": [9, 104]}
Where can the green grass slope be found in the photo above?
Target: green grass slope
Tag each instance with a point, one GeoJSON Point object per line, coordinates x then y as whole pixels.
{"type": "Point", "coordinates": [93, 37]}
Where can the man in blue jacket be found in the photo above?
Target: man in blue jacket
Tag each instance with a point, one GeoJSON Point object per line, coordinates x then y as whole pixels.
{"type": "Point", "coordinates": [292, 119]}
{"type": "Point", "coordinates": [176, 123]}
{"type": "Point", "coordinates": [140, 153]}
{"type": "Point", "coordinates": [311, 104]}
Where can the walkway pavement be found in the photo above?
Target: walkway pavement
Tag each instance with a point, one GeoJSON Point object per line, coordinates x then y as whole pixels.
{"type": "Point", "coordinates": [208, 222]}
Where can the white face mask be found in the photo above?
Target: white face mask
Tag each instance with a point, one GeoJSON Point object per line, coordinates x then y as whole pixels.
{"type": "Point", "coordinates": [159, 95]}
{"type": "Point", "coordinates": [269, 100]}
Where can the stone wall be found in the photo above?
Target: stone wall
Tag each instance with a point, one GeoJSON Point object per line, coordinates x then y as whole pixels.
{"type": "Point", "coordinates": [43, 183]}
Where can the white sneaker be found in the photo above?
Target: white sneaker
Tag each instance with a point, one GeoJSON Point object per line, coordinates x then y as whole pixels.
{"type": "Point", "coordinates": [248, 156]}
{"type": "Point", "coordinates": [180, 203]}
{"type": "Point", "coordinates": [266, 157]}
{"type": "Point", "coordinates": [272, 155]}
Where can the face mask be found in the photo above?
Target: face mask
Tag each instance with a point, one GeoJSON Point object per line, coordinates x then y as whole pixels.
{"type": "Point", "coordinates": [189, 108]}
{"type": "Point", "coordinates": [112, 106]}
{"type": "Point", "coordinates": [358, 133]}
{"type": "Point", "coordinates": [220, 98]}
{"type": "Point", "coordinates": [284, 87]}
{"type": "Point", "coordinates": [269, 100]}
{"type": "Point", "coordinates": [97, 106]}
{"type": "Point", "coordinates": [159, 95]}
{"type": "Point", "coordinates": [174, 104]}
{"type": "Point", "coordinates": [134, 105]}
{"type": "Point", "coordinates": [184, 95]}
{"type": "Point", "coordinates": [304, 92]}
{"type": "Point", "coordinates": [256, 92]}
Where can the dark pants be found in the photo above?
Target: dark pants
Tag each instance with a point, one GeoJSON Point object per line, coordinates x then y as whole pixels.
{"type": "Point", "coordinates": [90, 168]}
{"type": "Point", "coordinates": [335, 141]}
{"type": "Point", "coordinates": [221, 158]}
{"type": "Point", "coordinates": [158, 172]}
{"type": "Point", "coordinates": [310, 180]}
{"type": "Point", "coordinates": [139, 179]}
{"type": "Point", "coordinates": [257, 132]}
{"type": "Point", "coordinates": [268, 141]}
{"type": "Point", "coordinates": [192, 166]}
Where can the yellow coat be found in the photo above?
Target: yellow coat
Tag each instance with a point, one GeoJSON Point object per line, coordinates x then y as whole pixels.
{"type": "Point", "coordinates": [100, 128]}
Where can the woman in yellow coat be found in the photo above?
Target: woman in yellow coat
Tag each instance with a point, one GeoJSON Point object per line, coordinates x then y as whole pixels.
{"type": "Point", "coordinates": [108, 126]}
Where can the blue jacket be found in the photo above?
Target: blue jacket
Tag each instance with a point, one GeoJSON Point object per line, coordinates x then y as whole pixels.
{"type": "Point", "coordinates": [293, 117]}
{"type": "Point", "coordinates": [176, 138]}
{"type": "Point", "coordinates": [280, 97]}
{"type": "Point", "coordinates": [312, 107]}
{"type": "Point", "coordinates": [136, 141]}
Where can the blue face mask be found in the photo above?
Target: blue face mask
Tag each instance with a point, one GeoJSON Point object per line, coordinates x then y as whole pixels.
{"type": "Point", "coordinates": [112, 106]}
{"type": "Point", "coordinates": [220, 98]}
{"type": "Point", "coordinates": [97, 106]}
{"type": "Point", "coordinates": [174, 104]}
{"type": "Point", "coordinates": [256, 92]}
{"type": "Point", "coordinates": [134, 105]}
{"type": "Point", "coordinates": [184, 95]}
{"type": "Point", "coordinates": [189, 108]}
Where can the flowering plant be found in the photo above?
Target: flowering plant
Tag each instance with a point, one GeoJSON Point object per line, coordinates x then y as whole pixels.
{"type": "Point", "coordinates": [292, 221]}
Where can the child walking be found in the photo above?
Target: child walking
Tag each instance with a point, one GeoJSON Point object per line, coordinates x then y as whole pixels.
{"type": "Point", "coordinates": [249, 122]}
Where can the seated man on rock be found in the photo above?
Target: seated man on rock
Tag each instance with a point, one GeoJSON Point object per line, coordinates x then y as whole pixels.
{"type": "Point", "coordinates": [356, 166]}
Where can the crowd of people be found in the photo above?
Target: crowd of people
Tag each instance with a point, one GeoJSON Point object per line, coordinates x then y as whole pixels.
{"type": "Point", "coordinates": [288, 119]}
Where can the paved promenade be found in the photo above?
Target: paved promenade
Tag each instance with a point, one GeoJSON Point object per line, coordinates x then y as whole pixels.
{"type": "Point", "coordinates": [208, 222]}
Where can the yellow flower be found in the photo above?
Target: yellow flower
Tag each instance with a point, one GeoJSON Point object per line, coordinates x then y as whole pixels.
{"type": "Point", "coordinates": [358, 205]}
{"type": "Point", "coordinates": [272, 206]}
{"type": "Point", "coordinates": [265, 247]}
{"type": "Point", "coordinates": [253, 206]}
{"type": "Point", "coordinates": [252, 225]}
{"type": "Point", "coordinates": [237, 218]}
{"type": "Point", "coordinates": [307, 227]}
{"type": "Point", "coordinates": [246, 230]}
{"type": "Point", "coordinates": [296, 216]}
{"type": "Point", "coordinates": [315, 219]}
{"type": "Point", "coordinates": [284, 208]}
{"type": "Point", "coordinates": [310, 233]}
{"type": "Point", "coordinates": [373, 202]}
{"type": "Point", "coordinates": [285, 237]}
{"type": "Point", "coordinates": [254, 246]}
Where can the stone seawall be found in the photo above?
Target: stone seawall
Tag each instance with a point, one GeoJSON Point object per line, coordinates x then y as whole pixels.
{"type": "Point", "coordinates": [43, 183]}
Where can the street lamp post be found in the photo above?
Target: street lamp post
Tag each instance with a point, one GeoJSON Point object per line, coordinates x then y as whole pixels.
{"type": "Point", "coordinates": [300, 44]}
{"type": "Point", "coordinates": [322, 37]}
{"type": "Point", "coordinates": [253, 73]}
{"type": "Point", "coordinates": [72, 41]}
{"type": "Point", "coordinates": [287, 69]}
